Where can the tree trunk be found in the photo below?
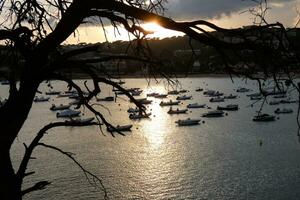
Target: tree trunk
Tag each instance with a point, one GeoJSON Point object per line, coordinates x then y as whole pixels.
{"type": "Point", "coordinates": [10, 185]}
{"type": "Point", "coordinates": [12, 117]}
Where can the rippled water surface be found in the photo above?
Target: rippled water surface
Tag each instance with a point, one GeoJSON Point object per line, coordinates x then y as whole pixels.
{"type": "Point", "coordinates": [219, 159]}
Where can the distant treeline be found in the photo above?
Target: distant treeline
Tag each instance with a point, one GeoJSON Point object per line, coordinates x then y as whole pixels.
{"type": "Point", "coordinates": [175, 55]}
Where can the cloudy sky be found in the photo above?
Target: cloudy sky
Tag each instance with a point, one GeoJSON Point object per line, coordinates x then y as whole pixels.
{"type": "Point", "coordinates": [225, 13]}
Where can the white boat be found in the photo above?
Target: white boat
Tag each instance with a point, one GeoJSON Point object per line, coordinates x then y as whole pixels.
{"type": "Point", "coordinates": [283, 111]}
{"type": "Point", "coordinates": [196, 105]}
{"type": "Point", "coordinates": [228, 107]}
{"type": "Point", "coordinates": [187, 122]}
{"type": "Point", "coordinates": [139, 116]}
{"type": "Point", "coordinates": [41, 99]}
{"type": "Point", "coordinates": [213, 113]}
{"type": "Point", "coordinates": [59, 107]}
{"type": "Point", "coordinates": [177, 111]}
{"type": "Point", "coordinates": [119, 128]}
{"type": "Point", "coordinates": [169, 103]}
{"type": "Point", "coordinates": [216, 99]}
{"type": "Point", "coordinates": [68, 113]}
{"type": "Point", "coordinates": [183, 97]}
{"type": "Point", "coordinates": [263, 117]}
{"type": "Point", "coordinates": [241, 90]}
{"type": "Point", "coordinates": [81, 120]}
{"type": "Point", "coordinates": [133, 110]}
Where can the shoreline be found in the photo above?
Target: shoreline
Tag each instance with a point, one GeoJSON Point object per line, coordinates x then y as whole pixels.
{"type": "Point", "coordinates": [127, 76]}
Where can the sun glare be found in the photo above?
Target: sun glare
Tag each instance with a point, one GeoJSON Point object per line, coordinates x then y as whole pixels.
{"type": "Point", "coordinates": [94, 34]}
{"type": "Point", "coordinates": [158, 31]}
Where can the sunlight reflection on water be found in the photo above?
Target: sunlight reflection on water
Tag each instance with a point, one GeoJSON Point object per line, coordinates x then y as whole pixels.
{"type": "Point", "coordinates": [219, 159]}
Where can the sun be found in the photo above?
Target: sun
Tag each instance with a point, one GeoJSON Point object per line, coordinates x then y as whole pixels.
{"type": "Point", "coordinates": [152, 26]}
{"type": "Point", "coordinates": [158, 31]}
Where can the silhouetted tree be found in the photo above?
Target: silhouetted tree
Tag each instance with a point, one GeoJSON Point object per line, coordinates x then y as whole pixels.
{"type": "Point", "coordinates": [33, 31]}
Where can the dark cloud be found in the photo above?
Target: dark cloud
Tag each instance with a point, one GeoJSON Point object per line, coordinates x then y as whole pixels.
{"type": "Point", "coordinates": [208, 9]}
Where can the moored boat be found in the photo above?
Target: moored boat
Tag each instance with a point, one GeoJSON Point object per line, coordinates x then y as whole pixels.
{"type": "Point", "coordinates": [68, 113]}
{"type": "Point", "coordinates": [41, 99]}
{"type": "Point", "coordinates": [216, 99]}
{"type": "Point", "coordinates": [119, 128]}
{"type": "Point", "coordinates": [283, 111]}
{"type": "Point", "coordinates": [196, 105]}
{"type": "Point", "coordinates": [187, 122]}
{"type": "Point", "coordinates": [109, 98]}
{"type": "Point", "coordinates": [263, 117]}
{"type": "Point", "coordinates": [133, 110]}
{"type": "Point", "coordinates": [228, 107]}
{"type": "Point", "coordinates": [145, 101]}
{"type": "Point", "coordinates": [242, 90]}
{"type": "Point", "coordinates": [59, 107]}
{"type": "Point", "coordinates": [213, 113]}
{"type": "Point", "coordinates": [169, 103]}
{"type": "Point", "coordinates": [139, 115]}
{"type": "Point", "coordinates": [256, 98]}
{"type": "Point", "coordinates": [183, 91]}
{"type": "Point", "coordinates": [183, 97]}
{"type": "Point", "coordinates": [53, 92]}
{"type": "Point", "coordinates": [136, 92]}
{"type": "Point", "coordinates": [81, 120]}
{"type": "Point", "coordinates": [152, 94]}
{"type": "Point", "coordinates": [173, 92]}
{"type": "Point", "coordinates": [161, 96]}
{"type": "Point", "coordinates": [177, 111]}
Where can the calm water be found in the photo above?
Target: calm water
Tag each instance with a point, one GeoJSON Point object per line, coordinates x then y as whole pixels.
{"type": "Point", "coordinates": [219, 159]}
